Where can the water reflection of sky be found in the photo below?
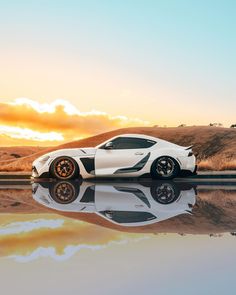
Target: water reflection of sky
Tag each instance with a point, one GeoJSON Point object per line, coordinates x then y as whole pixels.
{"type": "Point", "coordinates": [161, 264]}
{"type": "Point", "coordinates": [46, 252]}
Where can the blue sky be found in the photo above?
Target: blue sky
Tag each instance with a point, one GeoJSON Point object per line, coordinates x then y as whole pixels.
{"type": "Point", "coordinates": [168, 62]}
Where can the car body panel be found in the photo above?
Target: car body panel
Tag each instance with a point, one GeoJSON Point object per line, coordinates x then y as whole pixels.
{"type": "Point", "coordinates": [108, 162]}
{"type": "Point", "coordinates": [117, 162]}
{"type": "Point", "coordinates": [109, 200]}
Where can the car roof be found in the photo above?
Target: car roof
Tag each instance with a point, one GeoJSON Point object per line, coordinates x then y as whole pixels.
{"type": "Point", "coordinates": [129, 135]}
{"type": "Point", "coordinates": [137, 135]}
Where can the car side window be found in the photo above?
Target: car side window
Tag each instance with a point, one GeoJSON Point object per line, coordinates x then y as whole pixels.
{"type": "Point", "coordinates": [128, 216]}
{"type": "Point", "coordinates": [120, 143]}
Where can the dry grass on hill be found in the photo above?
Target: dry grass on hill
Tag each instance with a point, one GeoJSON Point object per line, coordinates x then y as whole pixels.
{"type": "Point", "coordinates": [215, 147]}
{"type": "Point", "coordinates": [15, 152]}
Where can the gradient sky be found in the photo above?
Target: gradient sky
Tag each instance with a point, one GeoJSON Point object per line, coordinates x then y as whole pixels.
{"type": "Point", "coordinates": [165, 61]}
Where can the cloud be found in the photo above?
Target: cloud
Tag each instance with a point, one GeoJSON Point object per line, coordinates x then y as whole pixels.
{"type": "Point", "coordinates": [28, 226]}
{"type": "Point", "coordinates": [26, 133]}
{"type": "Point", "coordinates": [51, 252]}
{"type": "Point", "coordinates": [57, 238]}
{"type": "Point", "coordinates": [25, 237]}
{"type": "Point", "coordinates": [57, 120]}
{"type": "Point", "coordinates": [70, 250]}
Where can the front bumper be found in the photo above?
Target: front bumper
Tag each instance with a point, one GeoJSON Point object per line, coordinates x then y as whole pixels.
{"type": "Point", "coordinates": [36, 175]}
{"type": "Point", "coordinates": [34, 172]}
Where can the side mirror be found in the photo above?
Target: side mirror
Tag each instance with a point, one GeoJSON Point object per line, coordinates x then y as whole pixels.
{"type": "Point", "coordinates": [108, 145]}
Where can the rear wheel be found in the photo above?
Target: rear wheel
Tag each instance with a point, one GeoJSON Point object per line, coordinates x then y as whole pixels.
{"type": "Point", "coordinates": [165, 192]}
{"type": "Point", "coordinates": [64, 168]}
{"type": "Point", "coordinates": [165, 168]}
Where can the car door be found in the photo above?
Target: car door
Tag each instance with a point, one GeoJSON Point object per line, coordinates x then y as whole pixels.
{"type": "Point", "coordinates": [112, 197]}
{"type": "Point", "coordinates": [127, 155]}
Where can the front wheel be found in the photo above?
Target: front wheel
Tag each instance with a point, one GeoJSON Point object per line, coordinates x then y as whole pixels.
{"type": "Point", "coordinates": [64, 192]}
{"type": "Point", "coordinates": [64, 168]}
{"type": "Point", "coordinates": [165, 168]}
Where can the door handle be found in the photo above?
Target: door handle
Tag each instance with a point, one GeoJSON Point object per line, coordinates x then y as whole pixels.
{"type": "Point", "coordinates": [138, 153]}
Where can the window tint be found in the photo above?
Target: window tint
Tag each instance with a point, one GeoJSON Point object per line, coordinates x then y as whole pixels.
{"type": "Point", "coordinates": [128, 216]}
{"type": "Point", "coordinates": [131, 143]}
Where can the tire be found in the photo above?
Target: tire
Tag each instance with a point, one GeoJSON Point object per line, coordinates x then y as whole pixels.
{"type": "Point", "coordinates": [165, 193]}
{"type": "Point", "coordinates": [64, 192]}
{"type": "Point", "coordinates": [165, 167]}
{"type": "Point", "coordinates": [64, 168]}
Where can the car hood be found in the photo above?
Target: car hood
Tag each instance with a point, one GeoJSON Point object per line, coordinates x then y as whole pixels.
{"type": "Point", "coordinates": [72, 152]}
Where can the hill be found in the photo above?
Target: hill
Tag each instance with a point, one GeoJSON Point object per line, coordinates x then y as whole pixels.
{"type": "Point", "coordinates": [16, 152]}
{"type": "Point", "coordinates": [214, 147]}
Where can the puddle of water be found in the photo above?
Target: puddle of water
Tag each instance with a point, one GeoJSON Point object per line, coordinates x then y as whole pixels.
{"type": "Point", "coordinates": [118, 237]}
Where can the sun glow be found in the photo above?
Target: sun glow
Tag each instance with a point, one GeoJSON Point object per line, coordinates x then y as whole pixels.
{"type": "Point", "coordinates": [47, 107]}
{"type": "Point", "coordinates": [69, 109]}
{"type": "Point", "coordinates": [26, 119]}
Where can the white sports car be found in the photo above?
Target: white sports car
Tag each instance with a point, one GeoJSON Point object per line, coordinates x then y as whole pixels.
{"type": "Point", "coordinates": [127, 155]}
{"type": "Point", "coordinates": [123, 203]}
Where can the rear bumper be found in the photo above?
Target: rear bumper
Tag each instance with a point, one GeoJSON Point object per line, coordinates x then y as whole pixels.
{"type": "Point", "coordinates": [188, 163]}
{"type": "Point", "coordinates": [185, 172]}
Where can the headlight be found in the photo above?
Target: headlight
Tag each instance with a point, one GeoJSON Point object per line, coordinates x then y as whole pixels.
{"type": "Point", "coordinates": [190, 154]}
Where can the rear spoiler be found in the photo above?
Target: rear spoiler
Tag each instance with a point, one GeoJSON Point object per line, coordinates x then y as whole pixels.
{"type": "Point", "coordinates": [188, 147]}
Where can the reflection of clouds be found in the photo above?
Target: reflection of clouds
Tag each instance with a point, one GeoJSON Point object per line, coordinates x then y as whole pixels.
{"type": "Point", "coordinates": [69, 250]}
{"type": "Point", "coordinates": [27, 226]}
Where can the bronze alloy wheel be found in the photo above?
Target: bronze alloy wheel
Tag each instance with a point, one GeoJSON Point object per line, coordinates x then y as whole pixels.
{"type": "Point", "coordinates": [63, 192]}
{"type": "Point", "coordinates": [64, 168]}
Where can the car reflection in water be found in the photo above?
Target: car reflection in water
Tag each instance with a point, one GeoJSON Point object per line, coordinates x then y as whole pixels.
{"type": "Point", "coordinates": [124, 203]}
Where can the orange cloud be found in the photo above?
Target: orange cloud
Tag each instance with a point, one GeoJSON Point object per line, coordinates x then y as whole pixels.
{"type": "Point", "coordinates": [59, 120]}
{"type": "Point", "coordinates": [28, 134]}
{"type": "Point", "coordinates": [23, 238]}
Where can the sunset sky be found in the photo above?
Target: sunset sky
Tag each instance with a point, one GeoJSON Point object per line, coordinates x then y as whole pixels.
{"type": "Point", "coordinates": [70, 69]}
